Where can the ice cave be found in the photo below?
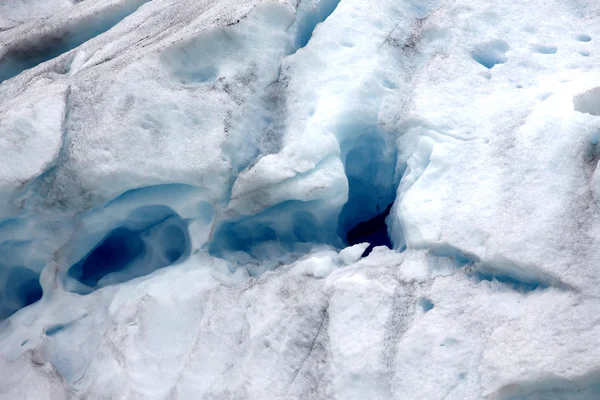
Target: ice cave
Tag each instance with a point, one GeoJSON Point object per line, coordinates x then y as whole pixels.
{"type": "Point", "coordinates": [299, 199]}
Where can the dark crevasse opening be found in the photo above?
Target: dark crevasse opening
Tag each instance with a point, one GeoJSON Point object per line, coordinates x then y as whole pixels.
{"type": "Point", "coordinates": [152, 237]}
{"type": "Point", "coordinates": [22, 288]}
{"type": "Point", "coordinates": [28, 54]}
{"type": "Point", "coordinates": [293, 227]}
{"type": "Point", "coordinates": [373, 231]}
{"type": "Point", "coordinates": [370, 164]}
{"type": "Point", "coordinates": [116, 252]}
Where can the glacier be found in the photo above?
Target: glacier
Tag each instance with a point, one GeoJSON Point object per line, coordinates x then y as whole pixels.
{"type": "Point", "coordinates": [299, 199]}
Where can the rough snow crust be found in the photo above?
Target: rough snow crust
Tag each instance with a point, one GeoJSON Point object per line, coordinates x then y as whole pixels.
{"type": "Point", "coordinates": [178, 178]}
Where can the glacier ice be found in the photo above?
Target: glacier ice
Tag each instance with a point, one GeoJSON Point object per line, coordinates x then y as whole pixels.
{"type": "Point", "coordinates": [311, 199]}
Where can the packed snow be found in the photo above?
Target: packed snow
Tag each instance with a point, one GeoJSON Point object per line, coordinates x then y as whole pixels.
{"type": "Point", "coordinates": [299, 199]}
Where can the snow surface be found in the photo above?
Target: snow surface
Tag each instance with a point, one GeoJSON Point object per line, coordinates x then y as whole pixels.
{"type": "Point", "coordinates": [179, 179]}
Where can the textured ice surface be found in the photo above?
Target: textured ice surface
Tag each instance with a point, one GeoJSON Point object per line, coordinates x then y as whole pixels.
{"type": "Point", "coordinates": [189, 190]}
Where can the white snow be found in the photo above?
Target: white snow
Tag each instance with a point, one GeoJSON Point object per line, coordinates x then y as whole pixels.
{"type": "Point", "coordinates": [31, 134]}
{"type": "Point", "coordinates": [178, 179]}
{"type": "Point", "coordinates": [14, 12]}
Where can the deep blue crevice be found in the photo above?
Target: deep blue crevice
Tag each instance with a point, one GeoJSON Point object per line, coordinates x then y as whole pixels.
{"type": "Point", "coordinates": [120, 248]}
{"type": "Point", "coordinates": [152, 237]}
{"type": "Point", "coordinates": [28, 54]}
{"type": "Point", "coordinates": [373, 231]}
{"type": "Point", "coordinates": [22, 288]}
{"type": "Point", "coordinates": [370, 168]}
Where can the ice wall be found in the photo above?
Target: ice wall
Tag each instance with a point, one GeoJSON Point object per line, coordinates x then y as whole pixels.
{"type": "Point", "coordinates": [299, 199]}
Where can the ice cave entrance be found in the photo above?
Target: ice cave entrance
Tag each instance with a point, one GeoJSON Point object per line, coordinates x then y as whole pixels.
{"type": "Point", "coordinates": [373, 231]}
{"type": "Point", "coordinates": [369, 163]}
{"type": "Point", "coordinates": [152, 237]}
